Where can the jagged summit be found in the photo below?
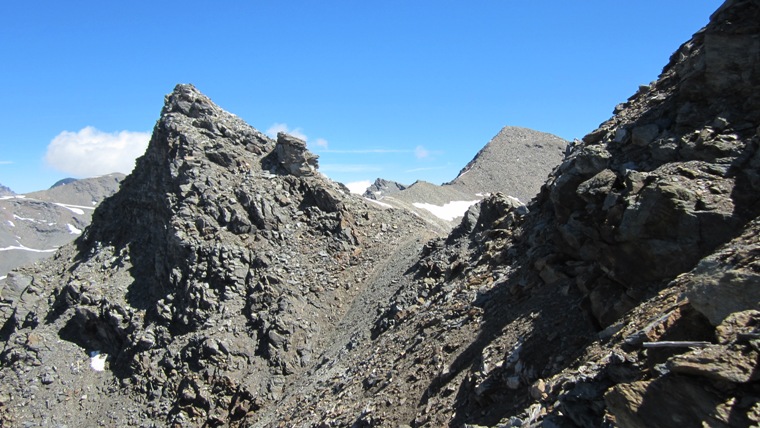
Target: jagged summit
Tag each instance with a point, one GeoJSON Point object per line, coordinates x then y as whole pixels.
{"type": "Point", "coordinates": [6, 191]}
{"type": "Point", "coordinates": [223, 252]}
{"type": "Point", "coordinates": [382, 187]}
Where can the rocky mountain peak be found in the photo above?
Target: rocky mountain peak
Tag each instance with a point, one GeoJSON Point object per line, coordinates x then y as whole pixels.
{"type": "Point", "coordinates": [382, 187]}
{"type": "Point", "coordinates": [515, 162]}
{"type": "Point", "coordinates": [6, 191]}
{"type": "Point", "coordinates": [223, 252]}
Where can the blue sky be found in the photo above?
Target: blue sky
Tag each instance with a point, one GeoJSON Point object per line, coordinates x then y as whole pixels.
{"type": "Point", "coordinates": [402, 90]}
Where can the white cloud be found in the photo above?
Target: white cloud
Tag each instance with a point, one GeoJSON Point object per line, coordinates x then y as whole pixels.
{"type": "Point", "coordinates": [321, 143]}
{"type": "Point", "coordinates": [283, 127]}
{"type": "Point", "coordinates": [421, 152]}
{"type": "Point", "coordinates": [91, 152]}
{"type": "Point", "coordinates": [358, 187]}
{"type": "Point", "coordinates": [6, 162]}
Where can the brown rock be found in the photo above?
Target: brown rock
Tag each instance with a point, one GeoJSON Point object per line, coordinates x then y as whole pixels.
{"type": "Point", "coordinates": [724, 363]}
{"type": "Point", "coordinates": [669, 402]}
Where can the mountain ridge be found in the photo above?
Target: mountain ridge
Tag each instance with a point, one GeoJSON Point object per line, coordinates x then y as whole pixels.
{"type": "Point", "coordinates": [227, 283]}
{"type": "Point", "coordinates": [33, 225]}
{"type": "Point", "coordinates": [516, 162]}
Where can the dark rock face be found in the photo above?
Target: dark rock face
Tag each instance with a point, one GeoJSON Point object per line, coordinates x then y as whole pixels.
{"type": "Point", "coordinates": [670, 177]}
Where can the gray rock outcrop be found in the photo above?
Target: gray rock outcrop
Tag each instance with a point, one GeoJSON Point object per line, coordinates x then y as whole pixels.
{"type": "Point", "coordinates": [294, 156]}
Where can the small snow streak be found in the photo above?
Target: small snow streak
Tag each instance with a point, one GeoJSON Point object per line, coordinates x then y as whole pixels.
{"type": "Point", "coordinates": [23, 248]}
{"type": "Point", "coordinates": [447, 212]}
{"type": "Point", "coordinates": [98, 361]}
{"type": "Point", "coordinates": [76, 209]}
{"type": "Point", "coordinates": [382, 204]}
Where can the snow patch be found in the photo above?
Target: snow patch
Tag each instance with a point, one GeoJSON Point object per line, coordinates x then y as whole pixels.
{"type": "Point", "coordinates": [76, 209]}
{"type": "Point", "coordinates": [24, 218]}
{"type": "Point", "coordinates": [11, 224]}
{"type": "Point", "coordinates": [98, 361]}
{"type": "Point", "coordinates": [23, 248]}
{"type": "Point", "coordinates": [382, 204]}
{"type": "Point", "coordinates": [73, 230]}
{"type": "Point", "coordinates": [3, 277]}
{"type": "Point", "coordinates": [449, 211]}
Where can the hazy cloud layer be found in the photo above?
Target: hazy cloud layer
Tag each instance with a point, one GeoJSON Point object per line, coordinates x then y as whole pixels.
{"type": "Point", "coordinates": [320, 143]}
{"type": "Point", "coordinates": [283, 127]}
{"type": "Point", "coordinates": [358, 187]}
{"type": "Point", "coordinates": [421, 152]}
{"type": "Point", "coordinates": [91, 152]}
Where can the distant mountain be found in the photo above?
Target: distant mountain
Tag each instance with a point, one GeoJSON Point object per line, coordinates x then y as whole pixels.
{"type": "Point", "coordinates": [382, 187]}
{"type": "Point", "coordinates": [63, 182]}
{"type": "Point", "coordinates": [88, 191]}
{"type": "Point", "coordinates": [5, 191]}
{"type": "Point", "coordinates": [515, 162]}
{"type": "Point", "coordinates": [34, 225]}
